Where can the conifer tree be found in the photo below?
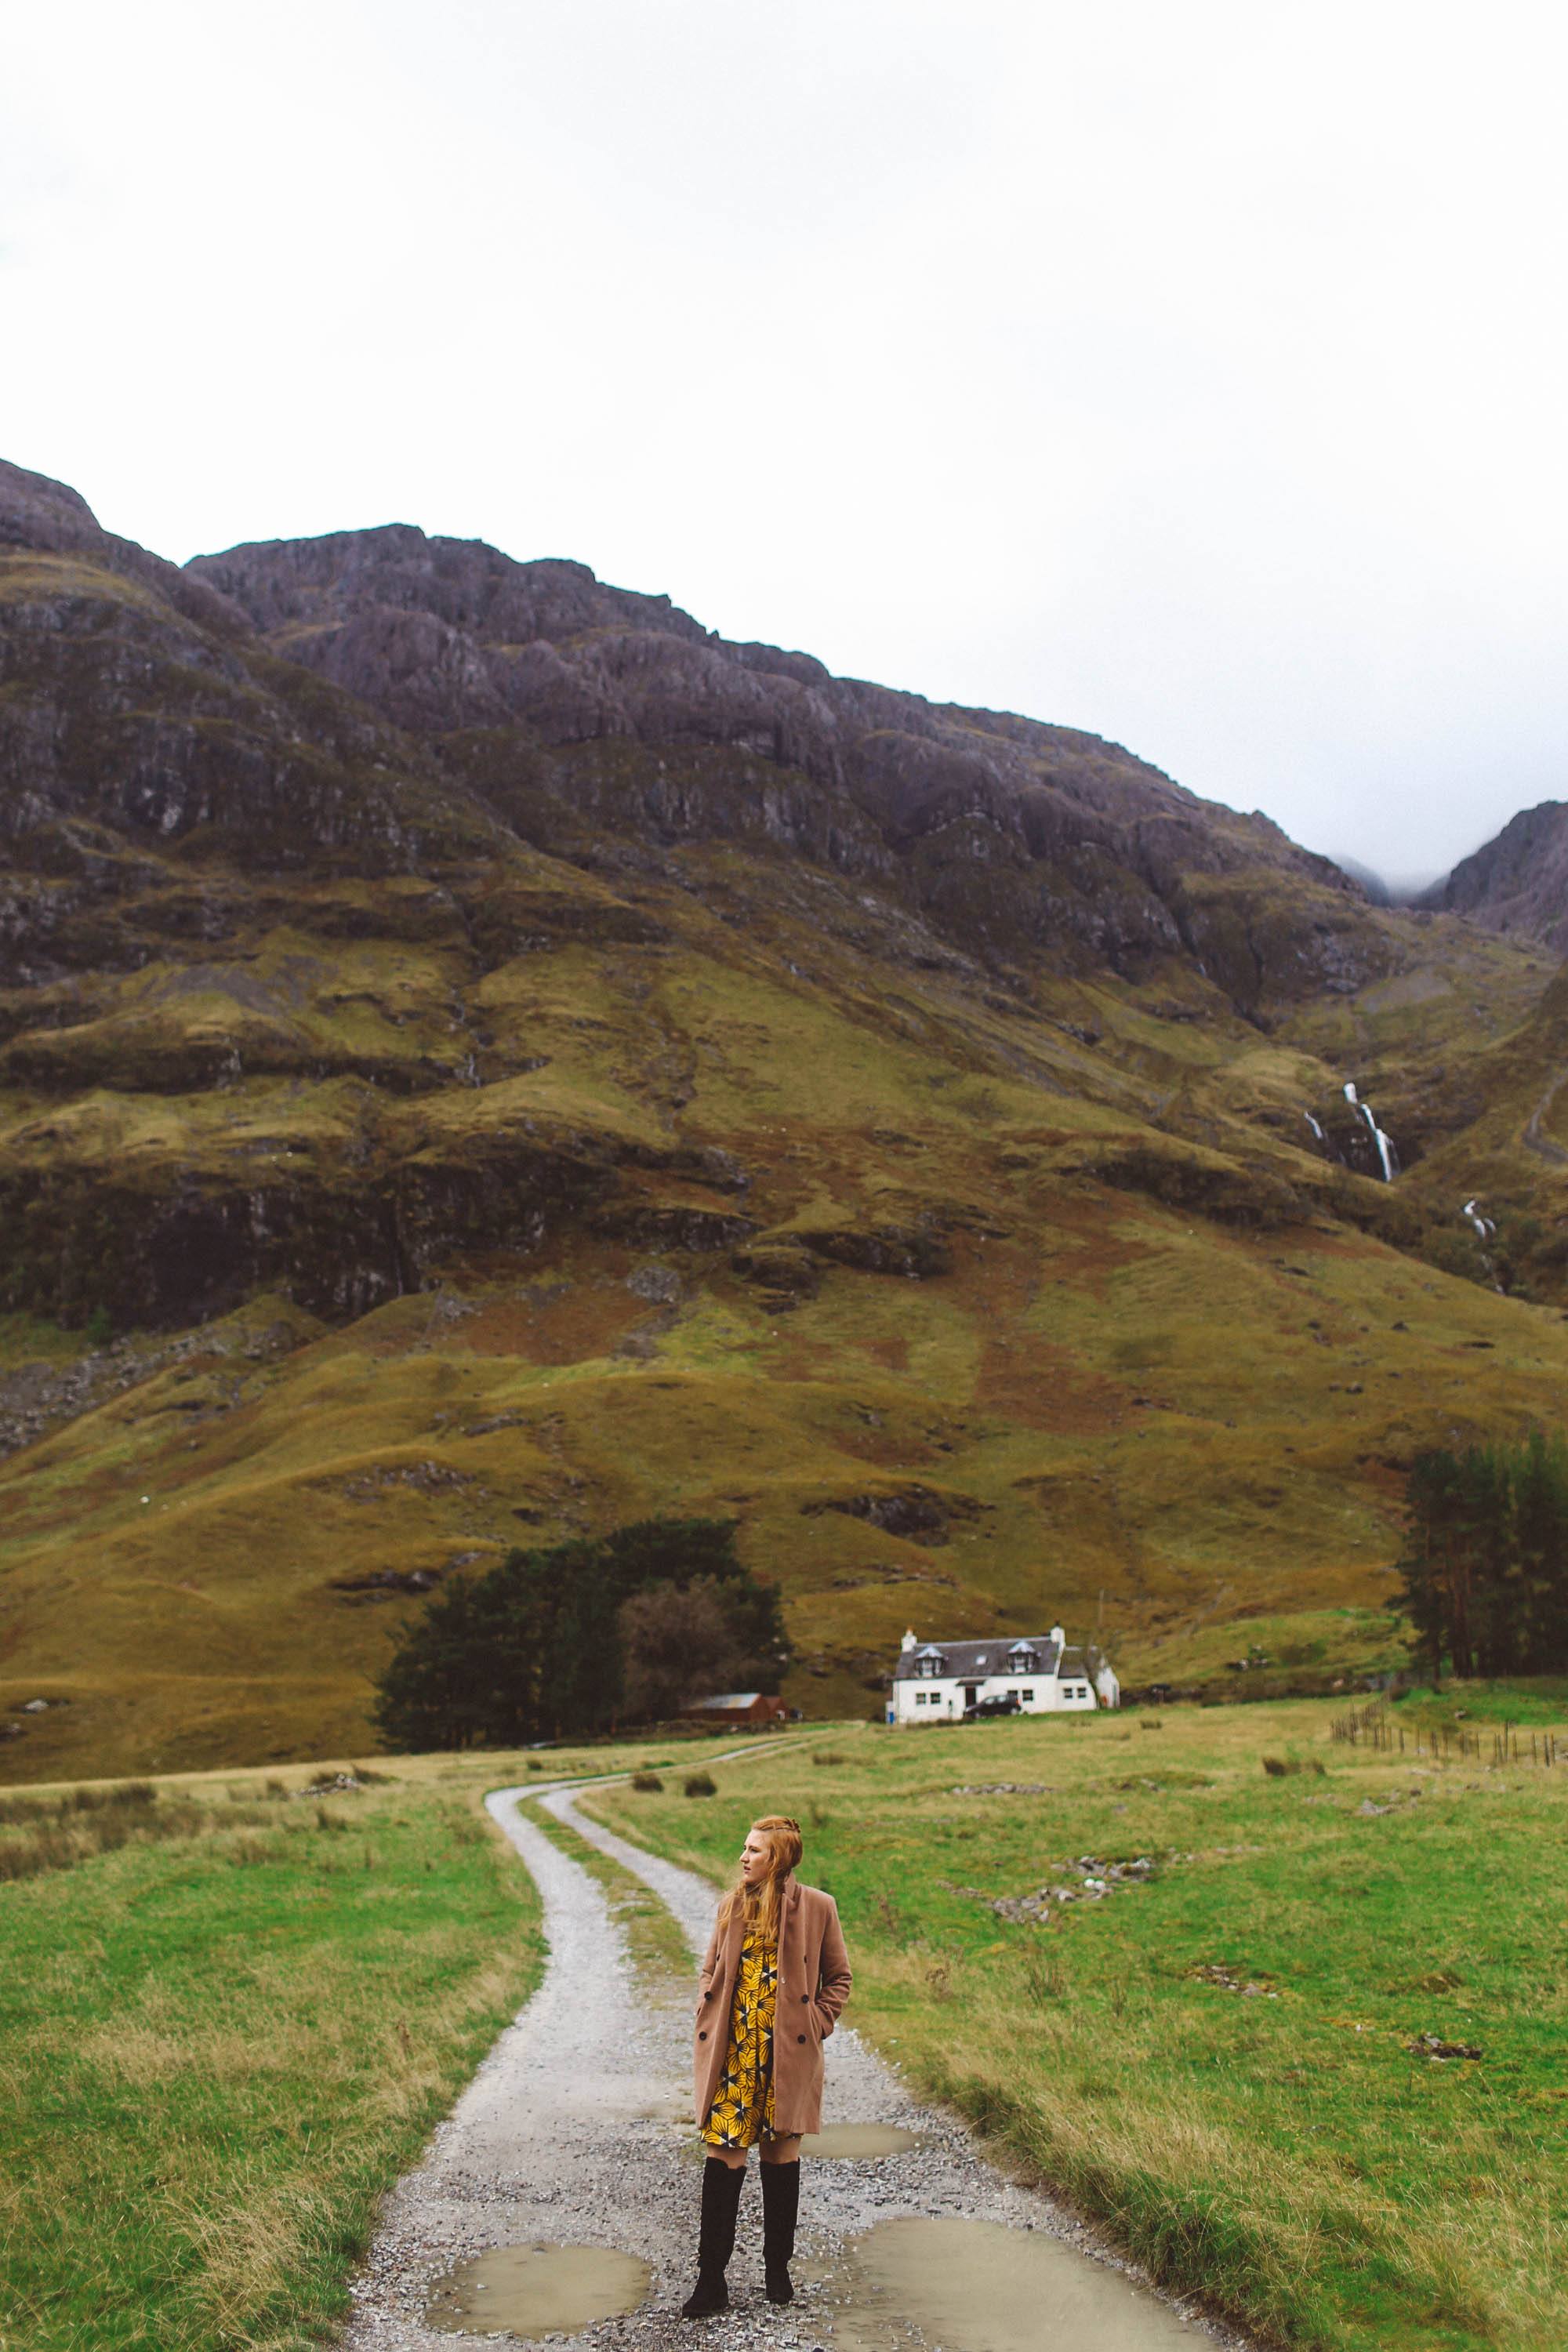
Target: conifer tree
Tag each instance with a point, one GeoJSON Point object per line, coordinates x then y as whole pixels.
{"type": "Point", "coordinates": [1485, 1562]}
{"type": "Point", "coordinates": [534, 1648]}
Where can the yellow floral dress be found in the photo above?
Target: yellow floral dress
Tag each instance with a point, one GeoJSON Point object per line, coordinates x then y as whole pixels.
{"type": "Point", "coordinates": [742, 2108]}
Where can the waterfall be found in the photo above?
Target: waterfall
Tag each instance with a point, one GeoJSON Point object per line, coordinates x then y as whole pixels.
{"type": "Point", "coordinates": [1384, 1148]}
{"type": "Point", "coordinates": [1312, 1123]}
{"type": "Point", "coordinates": [1388, 1159]}
{"type": "Point", "coordinates": [1484, 1226]}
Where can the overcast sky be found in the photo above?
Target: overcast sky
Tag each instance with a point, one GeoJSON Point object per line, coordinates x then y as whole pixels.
{"type": "Point", "coordinates": [1189, 370]}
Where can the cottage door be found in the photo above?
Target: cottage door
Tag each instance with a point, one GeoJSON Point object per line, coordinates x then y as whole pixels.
{"type": "Point", "coordinates": [971, 1693]}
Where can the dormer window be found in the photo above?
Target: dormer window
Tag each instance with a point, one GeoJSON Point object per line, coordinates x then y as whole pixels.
{"type": "Point", "coordinates": [1022, 1658]}
{"type": "Point", "coordinates": [930, 1661]}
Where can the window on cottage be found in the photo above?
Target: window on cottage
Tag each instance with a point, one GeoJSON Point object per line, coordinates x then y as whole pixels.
{"type": "Point", "coordinates": [1028, 1694]}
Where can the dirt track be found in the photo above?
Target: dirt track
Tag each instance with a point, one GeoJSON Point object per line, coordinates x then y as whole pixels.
{"type": "Point", "coordinates": [575, 2130]}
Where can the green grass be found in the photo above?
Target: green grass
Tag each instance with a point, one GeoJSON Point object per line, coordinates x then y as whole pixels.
{"type": "Point", "coordinates": [222, 2044]}
{"type": "Point", "coordinates": [1290, 2157]}
{"type": "Point", "coordinates": [1529, 1703]}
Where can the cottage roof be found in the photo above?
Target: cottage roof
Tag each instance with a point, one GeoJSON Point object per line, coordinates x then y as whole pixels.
{"type": "Point", "coordinates": [728, 1699]}
{"type": "Point", "coordinates": [973, 1661]}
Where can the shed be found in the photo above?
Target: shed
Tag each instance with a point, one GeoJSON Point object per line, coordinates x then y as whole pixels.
{"type": "Point", "coordinates": [737, 1706]}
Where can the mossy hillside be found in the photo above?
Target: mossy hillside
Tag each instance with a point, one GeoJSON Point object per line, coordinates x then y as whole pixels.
{"type": "Point", "coordinates": [1223, 2065]}
{"type": "Point", "coordinates": [1060, 1389]}
{"type": "Point", "coordinates": [706, 1030]}
{"type": "Point", "coordinates": [379, 1010]}
{"type": "Point", "coordinates": [1048, 1429]}
{"type": "Point", "coordinates": [1460, 1057]}
{"type": "Point", "coordinates": [566, 1060]}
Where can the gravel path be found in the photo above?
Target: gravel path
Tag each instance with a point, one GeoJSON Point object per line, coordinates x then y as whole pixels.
{"type": "Point", "coordinates": [576, 2129]}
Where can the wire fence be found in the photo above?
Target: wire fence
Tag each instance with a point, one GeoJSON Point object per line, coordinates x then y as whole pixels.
{"type": "Point", "coordinates": [1374, 1727]}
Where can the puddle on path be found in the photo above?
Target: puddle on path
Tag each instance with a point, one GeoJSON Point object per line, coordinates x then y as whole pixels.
{"type": "Point", "coordinates": [978, 2286]}
{"type": "Point", "coordinates": [538, 2290]}
{"type": "Point", "coordinates": [859, 2140]}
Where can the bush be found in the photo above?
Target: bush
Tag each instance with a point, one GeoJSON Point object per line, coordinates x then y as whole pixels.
{"type": "Point", "coordinates": [700, 1784]}
{"type": "Point", "coordinates": [647, 1780]}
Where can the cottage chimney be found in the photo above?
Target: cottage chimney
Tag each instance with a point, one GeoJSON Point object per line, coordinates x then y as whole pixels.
{"type": "Point", "coordinates": [909, 1641]}
{"type": "Point", "coordinates": [1058, 1637]}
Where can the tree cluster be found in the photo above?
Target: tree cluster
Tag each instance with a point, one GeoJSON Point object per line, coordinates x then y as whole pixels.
{"type": "Point", "coordinates": [1485, 1556]}
{"type": "Point", "coordinates": [577, 1638]}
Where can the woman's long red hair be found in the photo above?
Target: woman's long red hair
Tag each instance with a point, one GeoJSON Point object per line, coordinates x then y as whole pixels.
{"type": "Point", "coordinates": [758, 1906]}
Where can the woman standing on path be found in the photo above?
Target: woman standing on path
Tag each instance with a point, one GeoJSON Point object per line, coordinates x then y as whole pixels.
{"type": "Point", "coordinates": [773, 1979]}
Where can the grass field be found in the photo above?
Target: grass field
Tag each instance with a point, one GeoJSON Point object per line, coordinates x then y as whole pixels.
{"type": "Point", "coordinates": [1222, 2061]}
{"type": "Point", "coordinates": [230, 2012]}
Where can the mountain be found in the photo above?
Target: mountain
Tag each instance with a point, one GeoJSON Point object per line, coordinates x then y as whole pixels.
{"type": "Point", "coordinates": [544, 691]}
{"type": "Point", "coordinates": [483, 1057]}
{"type": "Point", "coordinates": [1517, 882]}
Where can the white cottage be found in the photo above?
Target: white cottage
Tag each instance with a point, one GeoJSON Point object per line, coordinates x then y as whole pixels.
{"type": "Point", "coordinates": [942, 1682]}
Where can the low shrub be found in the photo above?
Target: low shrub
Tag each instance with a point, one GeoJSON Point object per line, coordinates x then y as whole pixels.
{"type": "Point", "coordinates": [700, 1784]}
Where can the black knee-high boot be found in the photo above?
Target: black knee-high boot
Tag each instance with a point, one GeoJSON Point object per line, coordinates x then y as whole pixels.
{"type": "Point", "coordinates": [722, 2186]}
{"type": "Point", "coordinates": [781, 2204]}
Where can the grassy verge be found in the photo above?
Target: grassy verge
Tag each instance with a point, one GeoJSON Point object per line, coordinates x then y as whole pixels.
{"type": "Point", "coordinates": [658, 1950]}
{"type": "Point", "coordinates": [1222, 2058]}
{"type": "Point", "coordinates": [225, 2033]}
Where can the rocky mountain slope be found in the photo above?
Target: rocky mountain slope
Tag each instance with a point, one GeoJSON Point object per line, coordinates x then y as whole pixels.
{"type": "Point", "coordinates": [481, 1056]}
{"type": "Point", "coordinates": [540, 688]}
{"type": "Point", "coordinates": [1517, 882]}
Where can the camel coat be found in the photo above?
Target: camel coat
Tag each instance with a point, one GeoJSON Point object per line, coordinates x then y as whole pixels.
{"type": "Point", "coordinates": [812, 1986]}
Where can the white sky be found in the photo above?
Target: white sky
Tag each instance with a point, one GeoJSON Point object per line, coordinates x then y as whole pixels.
{"type": "Point", "coordinates": [1193, 370]}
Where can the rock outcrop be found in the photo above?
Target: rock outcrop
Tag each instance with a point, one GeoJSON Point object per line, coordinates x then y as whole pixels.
{"type": "Point", "coordinates": [1518, 881]}
{"type": "Point", "coordinates": [546, 691]}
